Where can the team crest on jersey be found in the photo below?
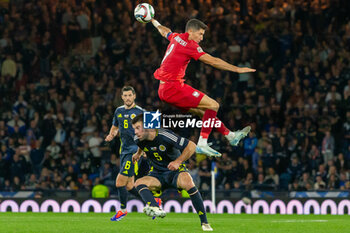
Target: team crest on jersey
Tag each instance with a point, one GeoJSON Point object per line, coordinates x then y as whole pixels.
{"type": "Point", "coordinates": [154, 148]}
{"type": "Point", "coordinates": [120, 115]}
{"type": "Point", "coordinates": [162, 148]}
{"type": "Point", "coordinates": [200, 50]}
{"type": "Point", "coordinates": [195, 93]}
{"type": "Point", "coordinates": [133, 116]}
{"type": "Point", "coordinates": [126, 115]}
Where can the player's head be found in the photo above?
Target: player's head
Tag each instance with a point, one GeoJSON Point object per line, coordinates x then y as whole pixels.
{"type": "Point", "coordinates": [196, 29]}
{"type": "Point", "coordinates": [137, 123]}
{"type": "Point", "coordinates": [128, 95]}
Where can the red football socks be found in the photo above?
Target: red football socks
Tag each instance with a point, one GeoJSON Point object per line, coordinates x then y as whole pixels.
{"type": "Point", "coordinates": [222, 129]}
{"type": "Point", "coordinates": [208, 120]}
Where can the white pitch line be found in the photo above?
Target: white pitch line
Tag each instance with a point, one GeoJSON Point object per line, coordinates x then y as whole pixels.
{"type": "Point", "coordinates": [295, 220]}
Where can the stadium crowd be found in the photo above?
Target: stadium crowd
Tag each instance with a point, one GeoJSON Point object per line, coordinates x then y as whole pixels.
{"type": "Point", "coordinates": [63, 64]}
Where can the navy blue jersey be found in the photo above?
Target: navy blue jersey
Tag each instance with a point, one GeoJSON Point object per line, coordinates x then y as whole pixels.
{"type": "Point", "coordinates": [163, 149]}
{"type": "Point", "coordinates": [122, 119]}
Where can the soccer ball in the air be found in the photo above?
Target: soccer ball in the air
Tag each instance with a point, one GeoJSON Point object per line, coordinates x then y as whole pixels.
{"type": "Point", "coordinates": [144, 12]}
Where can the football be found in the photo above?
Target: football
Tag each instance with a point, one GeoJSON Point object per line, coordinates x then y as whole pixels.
{"type": "Point", "coordinates": [144, 12]}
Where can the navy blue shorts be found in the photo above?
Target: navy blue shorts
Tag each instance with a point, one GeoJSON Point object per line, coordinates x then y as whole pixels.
{"type": "Point", "coordinates": [168, 179]}
{"type": "Point", "coordinates": [127, 168]}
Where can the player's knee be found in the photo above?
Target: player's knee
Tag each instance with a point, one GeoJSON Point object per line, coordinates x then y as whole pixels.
{"type": "Point", "coordinates": [186, 182]}
{"type": "Point", "coordinates": [214, 106]}
{"type": "Point", "coordinates": [129, 186]}
{"type": "Point", "coordinates": [138, 182]}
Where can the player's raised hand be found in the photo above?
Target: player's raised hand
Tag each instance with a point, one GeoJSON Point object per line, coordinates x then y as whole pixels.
{"type": "Point", "coordinates": [109, 138]}
{"type": "Point", "coordinates": [173, 166]}
{"type": "Point", "coordinates": [245, 70]}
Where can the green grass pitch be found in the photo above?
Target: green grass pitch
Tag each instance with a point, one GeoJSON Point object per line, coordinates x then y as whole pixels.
{"type": "Point", "coordinates": [138, 222]}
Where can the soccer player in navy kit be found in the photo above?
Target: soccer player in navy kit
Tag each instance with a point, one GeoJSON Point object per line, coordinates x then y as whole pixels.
{"type": "Point", "coordinates": [166, 153]}
{"type": "Point", "coordinates": [122, 124]}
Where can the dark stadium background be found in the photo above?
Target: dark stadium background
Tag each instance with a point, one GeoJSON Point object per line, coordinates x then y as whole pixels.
{"type": "Point", "coordinates": [63, 64]}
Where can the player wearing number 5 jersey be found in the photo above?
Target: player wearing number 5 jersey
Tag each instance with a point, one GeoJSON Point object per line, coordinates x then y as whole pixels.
{"type": "Point", "coordinates": [167, 153]}
{"type": "Point", "coordinates": [181, 49]}
{"type": "Point", "coordinates": [122, 125]}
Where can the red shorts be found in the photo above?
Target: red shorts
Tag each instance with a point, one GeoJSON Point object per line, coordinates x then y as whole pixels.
{"type": "Point", "coordinates": [180, 95]}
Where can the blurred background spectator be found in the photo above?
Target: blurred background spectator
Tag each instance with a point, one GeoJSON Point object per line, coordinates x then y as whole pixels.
{"type": "Point", "coordinates": [63, 64]}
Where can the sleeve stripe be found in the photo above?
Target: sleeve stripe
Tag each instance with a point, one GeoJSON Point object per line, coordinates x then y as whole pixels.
{"type": "Point", "coordinates": [168, 135]}
{"type": "Point", "coordinates": [172, 137]}
{"type": "Point", "coordinates": [139, 107]}
{"type": "Point", "coordinates": [167, 36]}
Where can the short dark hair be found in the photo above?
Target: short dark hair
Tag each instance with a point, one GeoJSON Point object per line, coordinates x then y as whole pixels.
{"type": "Point", "coordinates": [128, 88]}
{"type": "Point", "coordinates": [137, 119]}
{"type": "Point", "coordinates": [195, 25]}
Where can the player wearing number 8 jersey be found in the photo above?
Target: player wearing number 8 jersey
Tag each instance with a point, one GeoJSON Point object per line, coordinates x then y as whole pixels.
{"type": "Point", "coordinates": [182, 48]}
{"type": "Point", "coordinates": [122, 125]}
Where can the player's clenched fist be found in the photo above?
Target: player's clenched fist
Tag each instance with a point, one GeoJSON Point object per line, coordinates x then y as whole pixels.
{"type": "Point", "coordinates": [109, 137]}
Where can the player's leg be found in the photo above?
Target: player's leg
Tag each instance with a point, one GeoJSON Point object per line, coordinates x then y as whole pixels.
{"type": "Point", "coordinates": [210, 107]}
{"type": "Point", "coordinates": [222, 129]}
{"type": "Point", "coordinates": [233, 137]}
{"type": "Point", "coordinates": [184, 181]}
{"type": "Point", "coordinates": [130, 187]}
{"type": "Point", "coordinates": [125, 176]}
{"type": "Point", "coordinates": [121, 182]}
{"type": "Point", "coordinates": [144, 186]}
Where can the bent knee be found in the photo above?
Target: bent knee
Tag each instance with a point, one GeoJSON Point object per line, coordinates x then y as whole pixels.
{"type": "Point", "coordinates": [214, 106]}
{"type": "Point", "coordinates": [137, 183]}
{"type": "Point", "coordinates": [186, 182]}
{"type": "Point", "coordinates": [129, 187]}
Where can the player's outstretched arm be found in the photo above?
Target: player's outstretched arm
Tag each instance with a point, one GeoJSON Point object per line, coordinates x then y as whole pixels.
{"type": "Point", "coordinates": [112, 133]}
{"type": "Point", "coordinates": [222, 65]}
{"type": "Point", "coordinates": [164, 31]}
{"type": "Point", "coordinates": [186, 154]}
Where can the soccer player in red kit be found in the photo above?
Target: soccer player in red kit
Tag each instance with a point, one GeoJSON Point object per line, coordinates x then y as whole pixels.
{"type": "Point", "coordinates": [172, 89]}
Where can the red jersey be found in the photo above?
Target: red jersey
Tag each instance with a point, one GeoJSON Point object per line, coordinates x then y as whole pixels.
{"type": "Point", "coordinates": [177, 56]}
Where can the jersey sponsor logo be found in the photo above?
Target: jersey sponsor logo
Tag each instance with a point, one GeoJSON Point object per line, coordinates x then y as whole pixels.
{"type": "Point", "coordinates": [162, 148]}
{"type": "Point", "coordinates": [145, 149]}
{"type": "Point", "coordinates": [151, 120]}
{"type": "Point", "coordinates": [120, 115]}
{"type": "Point", "coordinates": [133, 116]}
{"type": "Point", "coordinates": [195, 93]}
{"type": "Point", "coordinates": [200, 50]}
{"type": "Point", "coordinates": [154, 148]}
